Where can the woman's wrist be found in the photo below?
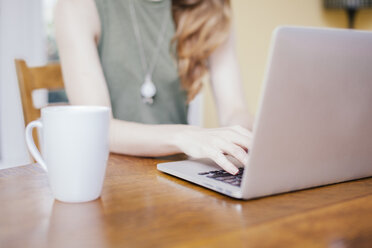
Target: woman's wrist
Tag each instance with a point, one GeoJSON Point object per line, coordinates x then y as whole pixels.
{"type": "Point", "coordinates": [179, 136]}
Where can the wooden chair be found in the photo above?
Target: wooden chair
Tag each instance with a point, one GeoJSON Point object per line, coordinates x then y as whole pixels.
{"type": "Point", "coordinates": [32, 78]}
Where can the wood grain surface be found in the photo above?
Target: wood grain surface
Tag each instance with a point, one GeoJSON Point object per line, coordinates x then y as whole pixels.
{"type": "Point", "coordinates": [141, 207]}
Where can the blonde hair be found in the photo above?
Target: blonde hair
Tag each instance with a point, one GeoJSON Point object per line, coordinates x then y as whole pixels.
{"type": "Point", "coordinates": [201, 26]}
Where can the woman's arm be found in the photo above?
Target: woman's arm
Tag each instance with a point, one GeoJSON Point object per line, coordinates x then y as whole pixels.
{"type": "Point", "coordinates": [227, 86]}
{"type": "Point", "coordinates": [78, 32]}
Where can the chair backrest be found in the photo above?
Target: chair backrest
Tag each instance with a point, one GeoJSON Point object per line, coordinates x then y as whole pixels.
{"type": "Point", "coordinates": [33, 78]}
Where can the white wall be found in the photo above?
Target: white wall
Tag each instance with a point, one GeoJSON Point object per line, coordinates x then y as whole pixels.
{"type": "Point", "coordinates": [195, 115]}
{"type": "Point", "coordinates": [21, 36]}
{"type": "Point", "coordinates": [1, 14]}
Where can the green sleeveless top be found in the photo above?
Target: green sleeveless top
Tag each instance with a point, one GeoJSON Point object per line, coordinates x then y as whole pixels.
{"type": "Point", "coordinates": [120, 59]}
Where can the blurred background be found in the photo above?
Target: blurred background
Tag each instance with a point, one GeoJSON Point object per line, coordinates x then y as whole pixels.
{"type": "Point", "coordinates": [27, 31]}
{"type": "Point", "coordinates": [254, 22]}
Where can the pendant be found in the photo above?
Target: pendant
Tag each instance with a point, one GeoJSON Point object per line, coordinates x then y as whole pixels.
{"type": "Point", "coordinates": [148, 90]}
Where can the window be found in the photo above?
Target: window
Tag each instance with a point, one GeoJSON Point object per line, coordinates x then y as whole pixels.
{"type": "Point", "coordinates": [51, 45]}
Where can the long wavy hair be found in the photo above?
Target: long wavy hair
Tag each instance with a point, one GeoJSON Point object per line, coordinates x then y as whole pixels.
{"type": "Point", "coordinates": [201, 26]}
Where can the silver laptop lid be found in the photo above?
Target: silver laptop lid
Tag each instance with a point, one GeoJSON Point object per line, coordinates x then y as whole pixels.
{"type": "Point", "coordinates": [314, 123]}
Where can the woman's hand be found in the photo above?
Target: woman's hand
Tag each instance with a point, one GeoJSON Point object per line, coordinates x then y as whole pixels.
{"type": "Point", "coordinates": [215, 143]}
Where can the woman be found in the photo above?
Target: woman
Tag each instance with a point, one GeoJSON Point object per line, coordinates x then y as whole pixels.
{"type": "Point", "coordinates": [146, 59]}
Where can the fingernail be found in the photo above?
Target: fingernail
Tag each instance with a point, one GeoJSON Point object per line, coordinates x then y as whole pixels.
{"type": "Point", "coordinates": [235, 171]}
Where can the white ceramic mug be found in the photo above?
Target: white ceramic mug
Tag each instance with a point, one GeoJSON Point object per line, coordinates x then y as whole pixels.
{"type": "Point", "coordinates": [75, 150]}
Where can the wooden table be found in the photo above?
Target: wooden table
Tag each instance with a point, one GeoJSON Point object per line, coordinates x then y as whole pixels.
{"type": "Point", "coordinates": [141, 207]}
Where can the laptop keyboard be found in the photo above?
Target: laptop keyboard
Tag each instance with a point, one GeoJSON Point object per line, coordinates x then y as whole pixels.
{"type": "Point", "coordinates": [223, 176]}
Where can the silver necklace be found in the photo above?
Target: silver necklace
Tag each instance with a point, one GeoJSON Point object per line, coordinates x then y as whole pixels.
{"type": "Point", "coordinates": [148, 89]}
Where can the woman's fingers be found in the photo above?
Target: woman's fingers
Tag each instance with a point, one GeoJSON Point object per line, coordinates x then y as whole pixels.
{"type": "Point", "coordinates": [223, 162]}
{"type": "Point", "coordinates": [236, 151]}
{"type": "Point", "coordinates": [243, 141]}
{"type": "Point", "coordinates": [213, 143]}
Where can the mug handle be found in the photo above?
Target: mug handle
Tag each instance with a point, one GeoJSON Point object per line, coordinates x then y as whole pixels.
{"type": "Point", "coordinates": [31, 144]}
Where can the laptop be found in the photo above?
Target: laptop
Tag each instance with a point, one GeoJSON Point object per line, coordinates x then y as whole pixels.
{"type": "Point", "coordinates": [314, 122]}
